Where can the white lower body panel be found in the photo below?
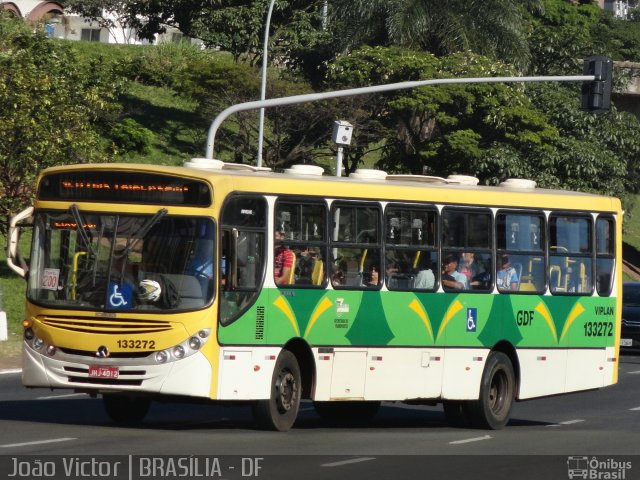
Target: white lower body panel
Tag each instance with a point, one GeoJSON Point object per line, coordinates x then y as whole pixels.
{"type": "Point", "coordinates": [190, 376]}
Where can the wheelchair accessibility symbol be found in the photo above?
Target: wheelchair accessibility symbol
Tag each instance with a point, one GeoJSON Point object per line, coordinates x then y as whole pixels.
{"type": "Point", "coordinates": [120, 296]}
{"type": "Point", "coordinates": [472, 318]}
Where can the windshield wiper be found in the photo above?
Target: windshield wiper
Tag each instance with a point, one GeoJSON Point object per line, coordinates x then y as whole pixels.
{"type": "Point", "coordinates": [142, 231]}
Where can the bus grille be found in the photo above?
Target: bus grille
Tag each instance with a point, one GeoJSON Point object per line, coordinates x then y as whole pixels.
{"type": "Point", "coordinates": [113, 326]}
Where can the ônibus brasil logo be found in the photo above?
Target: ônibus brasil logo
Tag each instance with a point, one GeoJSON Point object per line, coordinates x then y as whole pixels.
{"type": "Point", "coordinates": [595, 468]}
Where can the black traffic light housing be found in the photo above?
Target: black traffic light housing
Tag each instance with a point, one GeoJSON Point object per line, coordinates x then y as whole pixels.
{"type": "Point", "coordinates": [596, 94]}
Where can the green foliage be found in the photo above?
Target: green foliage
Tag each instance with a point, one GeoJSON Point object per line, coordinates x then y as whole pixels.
{"type": "Point", "coordinates": [129, 136]}
{"type": "Point", "coordinates": [167, 63]}
{"type": "Point", "coordinates": [440, 129]}
{"type": "Point", "coordinates": [495, 28]}
{"type": "Point", "coordinates": [50, 109]}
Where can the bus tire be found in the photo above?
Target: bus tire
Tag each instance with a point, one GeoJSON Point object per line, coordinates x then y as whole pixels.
{"type": "Point", "coordinates": [497, 391]}
{"type": "Point", "coordinates": [347, 412]}
{"type": "Point", "coordinates": [457, 413]}
{"type": "Point", "coordinates": [125, 409]}
{"type": "Point", "coordinates": [280, 411]}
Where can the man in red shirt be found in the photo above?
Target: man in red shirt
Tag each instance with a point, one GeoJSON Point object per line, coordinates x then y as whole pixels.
{"type": "Point", "coordinates": [282, 262]}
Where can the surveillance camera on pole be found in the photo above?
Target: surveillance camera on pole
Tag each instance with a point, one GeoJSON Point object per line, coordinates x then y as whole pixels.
{"type": "Point", "coordinates": [342, 132]}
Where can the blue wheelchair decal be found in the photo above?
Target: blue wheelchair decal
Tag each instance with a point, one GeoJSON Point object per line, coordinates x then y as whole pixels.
{"type": "Point", "coordinates": [472, 319]}
{"type": "Point", "coordinates": [120, 296]}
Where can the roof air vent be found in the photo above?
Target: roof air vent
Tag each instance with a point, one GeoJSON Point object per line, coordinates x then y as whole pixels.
{"type": "Point", "coordinates": [305, 170]}
{"type": "Point", "coordinates": [518, 183]}
{"type": "Point", "coordinates": [204, 164]}
{"type": "Point", "coordinates": [463, 179]}
{"type": "Point", "coordinates": [368, 174]}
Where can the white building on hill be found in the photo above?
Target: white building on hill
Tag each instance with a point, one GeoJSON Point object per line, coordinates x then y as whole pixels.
{"type": "Point", "coordinates": [59, 23]}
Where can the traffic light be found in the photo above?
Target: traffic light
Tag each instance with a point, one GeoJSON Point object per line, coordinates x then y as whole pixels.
{"type": "Point", "coordinates": [596, 94]}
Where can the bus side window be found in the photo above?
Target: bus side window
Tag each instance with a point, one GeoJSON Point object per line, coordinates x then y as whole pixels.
{"type": "Point", "coordinates": [467, 258]}
{"type": "Point", "coordinates": [356, 246]}
{"type": "Point", "coordinates": [520, 238]}
{"type": "Point", "coordinates": [605, 256]}
{"type": "Point", "coordinates": [300, 241]}
{"type": "Point", "coordinates": [570, 254]}
{"type": "Point", "coordinates": [411, 255]}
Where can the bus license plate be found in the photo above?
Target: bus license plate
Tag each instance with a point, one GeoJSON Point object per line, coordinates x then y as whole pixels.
{"type": "Point", "coordinates": [626, 342]}
{"type": "Point", "coordinates": [97, 371]}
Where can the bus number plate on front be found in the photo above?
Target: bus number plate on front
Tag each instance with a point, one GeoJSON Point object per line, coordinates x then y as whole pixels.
{"type": "Point", "coordinates": [98, 371]}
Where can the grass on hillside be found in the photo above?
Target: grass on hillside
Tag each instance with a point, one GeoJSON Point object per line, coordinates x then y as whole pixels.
{"type": "Point", "coordinates": [177, 135]}
{"type": "Point", "coordinates": [13, 290]}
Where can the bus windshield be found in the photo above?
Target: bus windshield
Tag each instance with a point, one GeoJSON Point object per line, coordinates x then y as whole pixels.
{"type": "Point", "coordinates": [110, 262]}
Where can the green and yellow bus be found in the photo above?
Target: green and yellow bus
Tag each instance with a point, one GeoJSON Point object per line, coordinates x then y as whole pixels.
{"type": "Point", "coordinates": [148, 281]}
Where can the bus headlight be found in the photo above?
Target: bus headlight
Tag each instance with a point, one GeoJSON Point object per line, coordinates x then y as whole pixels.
{"type": "Point", "coordinates": [162, 356]}
{"type": "Point", "coordinates": [195, 343]}
{"type": "Point", "coordinates": [38, 343]}
{"type": "Point", "coordinates": [185, 349]}
{"type": "Point", "coordinates": [51, 350]}
{"type": "Point", "coordinates": [178, 352]}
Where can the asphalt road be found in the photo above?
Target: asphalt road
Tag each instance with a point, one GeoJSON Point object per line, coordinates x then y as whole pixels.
{"type": "Point", "coordinates": [600, 428]}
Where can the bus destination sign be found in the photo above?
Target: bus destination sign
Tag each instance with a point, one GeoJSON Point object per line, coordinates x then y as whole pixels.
{"type": "Point", "coordinates": [124, 187]}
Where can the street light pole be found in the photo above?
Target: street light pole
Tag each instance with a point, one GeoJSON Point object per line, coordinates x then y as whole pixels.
{"type": "Point", "coordinates": [263, 86]}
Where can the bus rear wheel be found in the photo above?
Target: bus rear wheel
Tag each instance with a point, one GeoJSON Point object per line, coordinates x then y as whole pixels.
{"type": "Point", "coordinates": [125, 409]}
{"type": "Point", "coordinates": [280, 411]}
{"type": "Point", "coordinates": [348, 412]}
{"type": "Point", "coordinates": [497, 391]}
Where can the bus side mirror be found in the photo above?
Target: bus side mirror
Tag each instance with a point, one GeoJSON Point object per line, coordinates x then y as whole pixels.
{"type": "Point", "coordinates": [14, 260]}
{"type": "Point", "coordinates": [596, 94]}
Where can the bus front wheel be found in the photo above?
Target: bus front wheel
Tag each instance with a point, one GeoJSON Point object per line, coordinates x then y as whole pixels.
{"type": "Point", "coordinates": [280, 411]}
{"type": "Point", "coordinates": [497, 391]}
{"type": "Point", "coordinates": [125, 409]}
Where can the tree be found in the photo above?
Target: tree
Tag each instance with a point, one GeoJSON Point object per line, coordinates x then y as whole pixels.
{"type": "Point", "coordinates": [236, 26]}
{"type": "Point", "coordinates": [561, 35]}
{"type": "Point", "coordinates": [49, 108]}
{"type": "Point", "coordinates": [441, 129]}
{"type": "Point", "coordinates": [495, 28]}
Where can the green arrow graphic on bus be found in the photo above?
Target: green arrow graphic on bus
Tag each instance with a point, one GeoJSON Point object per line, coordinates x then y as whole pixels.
{"type": "Point", "coordinates": [417, 307]}
{"type": "Point", "coordinates": [283, 305]}
{"type": "Point", "coordinates": [576, 311]}
{"type": "Point", "coordinates": [454, 308]}
{"type": "Point", "coordinates": [541, 308]}
{"type": "Point", "coordinates": [322, 307]}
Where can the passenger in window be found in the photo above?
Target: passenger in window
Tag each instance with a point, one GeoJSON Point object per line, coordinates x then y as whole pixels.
{"type": "Point", "coordinates": [449, 272]}
{"type": "Point", "coordinates": [468, 266]}
{"type": "Point", "coordinates": [337, 278]}
{"type": "Point", "coordinates": [425, 279]}
{"type": "Point", "coordinates": [507, 277]}
{"type": "Point", "coordinates": [283, 261]}
{"type": "Point", "coordinates": [481, 281]}
{"type": "Point", "coordinates": [374, 277]}
{"type": "Point", "coordinates": [304, 266]}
